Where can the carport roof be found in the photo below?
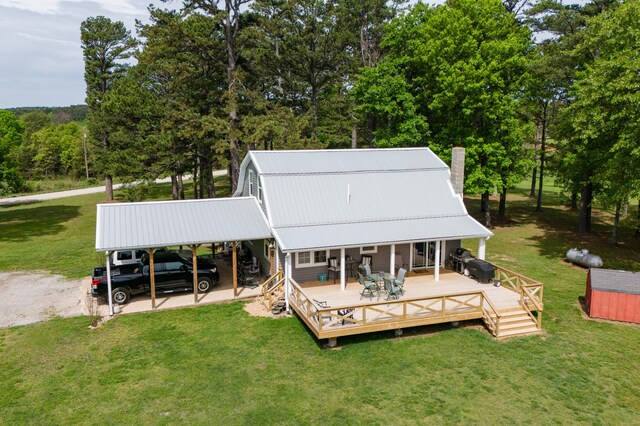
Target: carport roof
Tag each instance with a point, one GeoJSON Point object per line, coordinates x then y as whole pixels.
{"type": "Point", "coordinates": [121, 226]}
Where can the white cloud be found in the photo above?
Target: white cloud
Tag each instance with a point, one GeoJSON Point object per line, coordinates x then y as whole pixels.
{"type": "Point", "coordinates": [51, 7]}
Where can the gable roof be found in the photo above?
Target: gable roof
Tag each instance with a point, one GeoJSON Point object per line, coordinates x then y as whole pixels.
{"type": "Point", "coordinates": [350, 198]}
{"type": "Point", "coordinates": [615, 281]}
{"type": "Point", "coordinates": [154, 224]}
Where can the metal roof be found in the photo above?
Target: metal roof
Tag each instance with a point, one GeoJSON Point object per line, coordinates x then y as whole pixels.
{"type": "Point", "coordinates": [122, 226]}
{"type": "Point", "coordinates": [303, 238]}
{"type": "Point", "coordinates": [345, 160]}
{"type": "Point", "coordinates": [340, 198]}
{"type": "Point", "coordinates": [615, 281]}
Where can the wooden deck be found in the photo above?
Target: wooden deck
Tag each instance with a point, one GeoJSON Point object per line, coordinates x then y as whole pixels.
{"type": "Point", "coordinates": [506, 310]}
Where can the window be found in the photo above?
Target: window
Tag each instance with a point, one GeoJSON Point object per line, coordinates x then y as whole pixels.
{"type": "Point", "coordinates": [173, 266]}
{"type": "Point", "coordinates": [368, 249]}
{"type": "Point", "coordinates": [259, 190]}
{"type": "Point", "coordinates": [307, 259]}
{"type": "Point", "coordinates": [266, 249]}
{"type": "Point", "coordinates": [252, 183]}
{"type": "Point", "coordinates": [124, 255]}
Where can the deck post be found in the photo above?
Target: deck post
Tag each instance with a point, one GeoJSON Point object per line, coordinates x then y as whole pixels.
{"type": "Point", "coordinates": [287, 277]}
{"type": "Point", "coordinates": [392, 260]}
{"type": "Point", "coordinates": [108, 253]}
{"type": "Point", "coordinates": [436, 266]}
{"type": "Point", "coordinates": [152, 274]}
{"type": "Point", "coordinates": [343, 277]}
{"type": "Point", "coordinates": [195, 273]}
{"type": "Point", "coordinates": [481, 248]}
{"type": "Point", "coordinates": [234, 263]}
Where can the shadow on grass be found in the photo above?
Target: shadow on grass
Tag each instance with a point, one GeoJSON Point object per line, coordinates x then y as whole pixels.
{"type": "Point", "coordinates": [18, 225]}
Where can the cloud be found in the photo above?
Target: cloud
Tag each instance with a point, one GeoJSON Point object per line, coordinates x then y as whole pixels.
{"type": "Point", "coordinates": [51, 7]}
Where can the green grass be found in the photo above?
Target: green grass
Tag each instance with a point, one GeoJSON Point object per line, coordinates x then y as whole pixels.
{"type": "Point", "coordinates": [59, 235]}
{"type": "Point", "coordinates": [217, 365]}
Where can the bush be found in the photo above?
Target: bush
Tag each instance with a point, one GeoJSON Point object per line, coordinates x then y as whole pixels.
{"type": "Point", "coordinates": [10, 181]}
{"type": "Point", "coordinates": [134, 192]}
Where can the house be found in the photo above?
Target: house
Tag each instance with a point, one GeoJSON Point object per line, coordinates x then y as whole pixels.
{"type": "Point", "coordinates": [400, 208]}
{"type": "Point", "coordinates": [613, 295]}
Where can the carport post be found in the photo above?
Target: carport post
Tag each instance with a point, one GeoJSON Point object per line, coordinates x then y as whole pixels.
{"type": "Point", "coordinates": [108, 253]}
{"type": "Point", "coordinates": [234, 261]}
{"type": "Point", "coordinates": [195, 273]}
{"type": "Point", "coordinates": [152, 274]}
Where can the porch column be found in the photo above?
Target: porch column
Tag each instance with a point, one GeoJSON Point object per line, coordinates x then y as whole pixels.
{"type": "Point", "coordinates": [287, 277]}
{"type": "Point", "coordinates": [277, 255]}
{"type": "Point", "coordinates": [410, 256]}
{"type": "Point", "coordinates": [443, 252]}
{"type": "Point", "coordinates": [234, 265]}
{"type": "Point", "coordinates": [343, 277]}
{"type": "Point", "coordinates": [436, 268]}
{"type": "Point", "coordinates": [194, 260]}
{"type": "Point", "coordinates": [109, 283]}
{"type": "Point", "coordinates": [392, 260]}
{"type": "Point", "coordinates": [152, 274]}
{"type": "Point", "coordinates": [481, 248]}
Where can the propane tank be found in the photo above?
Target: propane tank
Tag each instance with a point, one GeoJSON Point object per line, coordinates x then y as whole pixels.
{"type": "Point", "coordinates": [584, 258]}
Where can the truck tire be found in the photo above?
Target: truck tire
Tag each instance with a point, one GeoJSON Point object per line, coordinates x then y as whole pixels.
{"type": "Point", "coordinates": [120, 296]}
{"type": "Point", "coordinates": [204, 284]}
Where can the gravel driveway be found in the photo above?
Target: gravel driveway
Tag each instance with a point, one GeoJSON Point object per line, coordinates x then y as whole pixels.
{"type": "Point", "coordinates": [28, 298]}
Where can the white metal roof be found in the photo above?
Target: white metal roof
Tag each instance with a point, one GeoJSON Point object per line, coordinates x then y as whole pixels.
{"type": "Point", "coordinates": [122, 226]}
{"type": "Point", "coordinates": [341, 198]}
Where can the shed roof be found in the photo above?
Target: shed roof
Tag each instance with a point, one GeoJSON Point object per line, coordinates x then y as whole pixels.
{"type": "Point", "coordinates": [123, 226]}
{"type": "Point", "coordinates": [341, 198]}
{"type": "Point", "coordinates": [615, 281]}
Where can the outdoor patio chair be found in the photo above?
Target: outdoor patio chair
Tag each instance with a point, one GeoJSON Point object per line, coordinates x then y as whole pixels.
{"type": "Point", "coordinates": [399, 281]}
{"type": "Point", "coordinates": [369, 287]}
{"type": "Point", "coordinates": [366, 260]}
{"type": "Point", "coordinates": [346, 313]}
{"type": "Point", "coordinates": [321, 303]}
{"type": "Point", "coordinates": [334, 267]}
{"type": "Point", "coordinates": [367, 271]}
{"type": "Point", "coordinates": [392, 290]}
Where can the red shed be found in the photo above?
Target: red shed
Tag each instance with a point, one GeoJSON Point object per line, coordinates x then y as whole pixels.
{"type": "Point", "coordinates": [613, 295]}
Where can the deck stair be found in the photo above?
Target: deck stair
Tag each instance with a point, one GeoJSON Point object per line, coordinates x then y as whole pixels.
{"type": "Point", "coordinates": [273, 292]}
{"type": "Point", "coordinates": [515, 322]}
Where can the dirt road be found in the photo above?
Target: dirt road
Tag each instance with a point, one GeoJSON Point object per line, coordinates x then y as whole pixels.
{"type": "Point", "coordinates": [28, 298]}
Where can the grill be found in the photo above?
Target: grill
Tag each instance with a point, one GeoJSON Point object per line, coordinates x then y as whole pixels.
{"type": "Point", "coordinates": [481, 270]}
{"type": "Point", "coordinates": [459, 259]}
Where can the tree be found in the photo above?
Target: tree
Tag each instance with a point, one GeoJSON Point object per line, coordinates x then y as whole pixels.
{"type": "Point", "coordinates": [457, 70]}
{"type": "Point", "coordinates": [10, 139]}
{"type": "Point", "coordinates": [605, 115]}
{"type": "Point", "coordinates": [105, 45]}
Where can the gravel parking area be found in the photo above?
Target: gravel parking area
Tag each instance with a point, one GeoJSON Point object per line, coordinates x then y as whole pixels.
{"type": "Point", "coordinates": [28, 298]}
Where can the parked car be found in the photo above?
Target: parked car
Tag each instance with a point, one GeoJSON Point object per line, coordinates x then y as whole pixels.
{"type": "Point", "coordinates": [172, 271]}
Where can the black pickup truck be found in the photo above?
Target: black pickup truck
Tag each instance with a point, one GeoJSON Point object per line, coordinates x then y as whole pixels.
{"type": "Point", "coordinates": [172, 273]}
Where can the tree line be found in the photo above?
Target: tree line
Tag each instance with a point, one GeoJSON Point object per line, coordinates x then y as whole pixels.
{"type": "Point", "coordinates": [528, 87]}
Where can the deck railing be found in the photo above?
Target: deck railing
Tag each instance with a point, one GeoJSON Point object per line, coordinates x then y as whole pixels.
{"type": "Point", "coordinates": [271, 288]}
{"type": "Point", "coordinates": [530, 290]}
{"type": "Point", "coordinates": [328, 322]}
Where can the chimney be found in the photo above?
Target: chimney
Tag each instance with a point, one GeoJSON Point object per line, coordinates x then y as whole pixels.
{"type": "Point", "coordinates": [457, 169]}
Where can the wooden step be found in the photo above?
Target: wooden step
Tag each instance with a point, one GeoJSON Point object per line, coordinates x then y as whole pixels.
{"type": "Point", "coordinates": [516, 332]}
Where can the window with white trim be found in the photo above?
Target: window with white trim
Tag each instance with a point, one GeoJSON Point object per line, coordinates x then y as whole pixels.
{"type": "Point", "coordinates": [308, 259]}
{"type": "Point", "coordinates": [252, 180]}
{"type": "Point", "coordinates": [266, 249]}
{"type": "Point", "coordinates": [368, 249]}
{"type": "Point", "coordinates": [259, 190]}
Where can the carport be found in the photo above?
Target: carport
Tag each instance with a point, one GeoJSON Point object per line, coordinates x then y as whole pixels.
{"type": "Point", "coordinates": [156, 224]}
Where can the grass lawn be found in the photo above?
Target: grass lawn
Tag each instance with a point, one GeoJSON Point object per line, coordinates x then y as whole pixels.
{"type": "Point", "coordinates": [217, 365]}
{"type": "Point", "coordinates": [59, 235]}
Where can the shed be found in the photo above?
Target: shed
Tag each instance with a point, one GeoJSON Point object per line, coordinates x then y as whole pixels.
{"type": "Point", "coordinates": [613, 295]}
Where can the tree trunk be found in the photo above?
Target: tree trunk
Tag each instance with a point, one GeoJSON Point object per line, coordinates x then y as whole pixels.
{"type": "Point", "coordinates": [174, 186]}
{"type": "Point", "coordinates": [211, 191]}
{"type": "Point", "coordinates": [484, 202]}
{"type": "Point", "coordinates": [637, 234]}
{"type": "Point", "coordinates": [616, 223]}
{"type": "Point", "coordinates": [574, 200]}
{"type": "Point", "coordinates": [108, 184]}
{"type": "Point", "coordinates": [233, 110]}
{"type": "Point", "coordinates": [543, 142]}
{"type": "Point", "coordinates": [502, 208]}
{"type": "Point", "coordinates": [535, 163]}
{"type": "Point", "coordinates": [584, 225]}
{"type": "Point", "coordinates": [625, 209]}
{"type": "Point", "coordinates": [180, 187]}
{"type": "Point", "coordinates": [354, 136]}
